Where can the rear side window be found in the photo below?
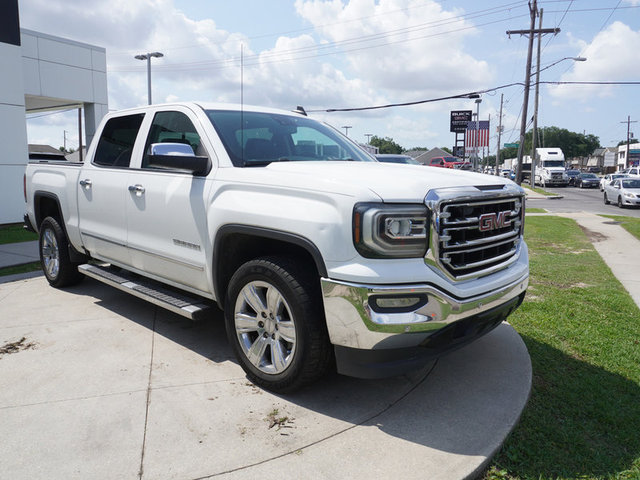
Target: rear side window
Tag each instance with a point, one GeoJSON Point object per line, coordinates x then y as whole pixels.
{"type": "Point", "coordinates": [116, 141]}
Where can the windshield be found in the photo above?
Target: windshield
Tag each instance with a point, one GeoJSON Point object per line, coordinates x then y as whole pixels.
{"type": "Point", "coordinates": [588, 175]}
{"type": "Point", "coordinates": [553, 163]}
{"type": "Point", "coordinates": [255, 138]}
{"type": "Point", "coordinates": [631, 183]}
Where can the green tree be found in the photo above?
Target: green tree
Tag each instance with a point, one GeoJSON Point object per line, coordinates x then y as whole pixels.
{"type": "Point", "coordinates": [572, 144]}
{"type": "Point", "coordinates": [631, 141]}
{"type": "Point", "coordinates": [386, 145]}
{"type": "Point", "coordinates": [447, 149]}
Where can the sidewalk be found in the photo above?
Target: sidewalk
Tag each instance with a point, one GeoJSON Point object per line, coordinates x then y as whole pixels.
{"type": "Point", "coordinates": [13, 254]}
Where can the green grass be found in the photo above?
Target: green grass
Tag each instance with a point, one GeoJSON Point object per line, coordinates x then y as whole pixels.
{"type": "Point", "coordinates": [535, 210]}
{"type": "Point", "coordinates": [583, 336]}
{"type": "Point", "coordinates": [29, 267]}
{"type": "Point", "coordinates": [541, 191]}
{"type": "Point", "coordinates": [631, 224]}
{"type": "Point", "coordinates": [14, 233]}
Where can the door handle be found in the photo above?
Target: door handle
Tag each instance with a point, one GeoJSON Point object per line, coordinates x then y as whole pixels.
{"type": "Point", "coordinates": [86, 183]}
{"type": "Point", "coordinates": [137, 189]}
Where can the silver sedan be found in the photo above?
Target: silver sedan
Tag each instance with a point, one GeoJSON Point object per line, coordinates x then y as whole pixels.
{"type": "Point", "coordinates": [623, 191]}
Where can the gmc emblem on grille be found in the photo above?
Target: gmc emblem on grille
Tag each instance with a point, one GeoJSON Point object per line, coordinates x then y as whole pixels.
{"type": "Point", "coordinates": [494, 221]}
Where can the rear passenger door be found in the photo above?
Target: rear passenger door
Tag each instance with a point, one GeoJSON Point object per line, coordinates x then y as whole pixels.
{"type": "Point", "coordinates": [166, 209]}
{"type": "Point", "coordinates": [102, 190]}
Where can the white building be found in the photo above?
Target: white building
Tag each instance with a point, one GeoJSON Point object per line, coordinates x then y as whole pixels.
{"type": "Point", "coordinates": [634, 156]}
{"type": "Point", "coordinates": [41, 73]}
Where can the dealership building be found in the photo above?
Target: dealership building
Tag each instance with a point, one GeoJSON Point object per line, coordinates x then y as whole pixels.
{"type": "Point", "coordinates": [41, 73]}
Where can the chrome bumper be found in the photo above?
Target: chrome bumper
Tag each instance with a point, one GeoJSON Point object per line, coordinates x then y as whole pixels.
{"type": "Point", "coordinates": [356, 320]}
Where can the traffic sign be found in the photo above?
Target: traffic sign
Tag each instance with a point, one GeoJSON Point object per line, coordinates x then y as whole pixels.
{"type": "Point", "coordinates": [511, 145]}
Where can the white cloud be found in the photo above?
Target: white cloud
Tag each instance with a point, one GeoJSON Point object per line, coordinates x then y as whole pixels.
{"type": "Point", "coordinates": [415, 54]}
{"type": "Point", "coordinates": [611, 56]}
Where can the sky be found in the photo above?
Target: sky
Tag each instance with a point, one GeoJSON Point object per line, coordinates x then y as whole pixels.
{"type": "Point", "coordinates": [334, 54]}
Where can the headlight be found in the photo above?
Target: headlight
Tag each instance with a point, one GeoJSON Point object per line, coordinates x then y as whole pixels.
{"type": "Point", "coordinates": [565, 176]}
{"type": "Point", "coordinates": [629, 195]}
{"type": "Point", "coordinates": [399, 231]}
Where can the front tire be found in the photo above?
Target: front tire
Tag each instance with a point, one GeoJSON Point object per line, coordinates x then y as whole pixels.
{"type": "Point", "coordinates": [606, 200]}
{"type": "Point", "coordinates": [620, 205]}
{"type": "Point", "coordinates": [275, 324]}
{"type": "Point", "coordinates": [57, 266]}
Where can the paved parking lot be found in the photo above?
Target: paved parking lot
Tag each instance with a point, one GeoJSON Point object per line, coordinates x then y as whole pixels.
{"type": "Point", "coordinates": [98, 384]}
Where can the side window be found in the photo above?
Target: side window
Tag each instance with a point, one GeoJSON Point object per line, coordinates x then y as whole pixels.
{"type": "Point", "coordinates": [116, 141]}
{"type": "Point", "coordinates": [172, 127]}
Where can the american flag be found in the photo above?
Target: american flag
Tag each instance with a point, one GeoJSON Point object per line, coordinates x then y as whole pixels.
{"type": "Point", "coordinates": [483, 133]}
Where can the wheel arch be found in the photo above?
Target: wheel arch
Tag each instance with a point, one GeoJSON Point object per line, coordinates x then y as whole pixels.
{"type": "Point", "coordinates": [47, 204]}
{"type": "Point", "coordinates": [237, 244]}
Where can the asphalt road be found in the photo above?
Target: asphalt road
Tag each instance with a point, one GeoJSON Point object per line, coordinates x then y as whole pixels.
{"type": "Point", "coordinates": [580, 200]}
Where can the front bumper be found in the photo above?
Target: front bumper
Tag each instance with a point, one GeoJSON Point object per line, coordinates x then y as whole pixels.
{"type": "Point", "coordinates": [371, 341]}
{"type": "Point", "coordinates": [633, 202]}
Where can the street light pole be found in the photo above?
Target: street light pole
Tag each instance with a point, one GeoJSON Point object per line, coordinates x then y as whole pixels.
{"type": "Point", "coordinates": [147, 57]}
{"type": "Point", "coordinates": [476, 162]}
{"type": "Point", "coordinates": [346, 129]}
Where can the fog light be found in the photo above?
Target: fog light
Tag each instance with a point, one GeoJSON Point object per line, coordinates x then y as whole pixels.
{"type": "Point", "coordinates": [396, 303]}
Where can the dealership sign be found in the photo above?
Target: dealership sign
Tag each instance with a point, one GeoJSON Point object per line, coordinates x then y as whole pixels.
{"type": "Point", "coordinates": [459, 120]}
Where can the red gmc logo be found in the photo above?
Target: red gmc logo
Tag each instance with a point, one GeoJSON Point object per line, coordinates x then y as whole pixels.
{"type": "Point", "coordinates": [494, 221]}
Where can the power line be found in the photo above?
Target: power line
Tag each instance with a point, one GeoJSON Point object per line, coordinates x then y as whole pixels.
{"type": "Point", "coordinates": [465, 95]}
{"type": "Point", "coordinates": [351, 41]}
{"type": "Point", "coordinates": [331, 48]}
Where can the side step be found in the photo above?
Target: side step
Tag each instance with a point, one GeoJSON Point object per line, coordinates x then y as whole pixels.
{"type": "Point", "coordinates": [149, 290]}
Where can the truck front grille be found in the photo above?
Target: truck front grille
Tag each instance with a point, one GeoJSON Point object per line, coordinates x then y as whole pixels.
{"type": "Point", "coordinates": [476, 234]}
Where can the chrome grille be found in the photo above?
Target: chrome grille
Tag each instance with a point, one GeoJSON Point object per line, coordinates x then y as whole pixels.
{"type": "Point", "coordinates": [478, 233]}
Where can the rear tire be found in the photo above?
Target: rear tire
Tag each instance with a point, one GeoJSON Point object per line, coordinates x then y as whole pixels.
{"type": "Point", "coordinates": [275, 324]}
{"type": "Point", "coordinates": [58, 268]}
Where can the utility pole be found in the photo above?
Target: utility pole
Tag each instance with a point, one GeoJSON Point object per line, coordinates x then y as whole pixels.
{"type": "Point", "coordinates": [628, 122]}
{"type": "Point", "coordinates": [533, 8]}
{"type": "Point", "coordinates": [535, 110]}
{"type": "Point", "coordinates": [499, 136]}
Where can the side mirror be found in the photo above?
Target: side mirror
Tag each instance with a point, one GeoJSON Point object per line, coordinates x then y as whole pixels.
{"type": "Point", "coordinates": [177, 156]}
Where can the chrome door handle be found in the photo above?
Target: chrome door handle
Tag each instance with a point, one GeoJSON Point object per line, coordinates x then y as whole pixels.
{"type": "Point", "coordinates": [86, 183]}
{"type": "Point", "coordinates": [137, 189]}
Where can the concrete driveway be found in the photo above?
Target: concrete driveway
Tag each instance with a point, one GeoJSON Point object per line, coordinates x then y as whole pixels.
{"type": "Point", "coordinates": [98, 384]}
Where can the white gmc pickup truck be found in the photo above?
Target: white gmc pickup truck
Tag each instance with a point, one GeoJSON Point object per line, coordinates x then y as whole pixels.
{"type": "Point", "coordinates": [316, 252]}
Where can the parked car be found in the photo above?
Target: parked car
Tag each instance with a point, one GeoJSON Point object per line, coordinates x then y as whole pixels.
{"type": "Point", "coordinates": [572, 174]}
{"type": "Point", "coordinates": [445, 162]}
{"type": "Point", "coordinates": [632, 172]}
{"type": "Point", "coordinates": [464, 166]}
{"type": "Point", "coordinates": [393, 158]}
{"type": "Point", "coordinates": [594, 170]}
{"type": "Point", "coordinates": [623, 191]}
{"type": "Point", "coordinates": [587, 180]}
{"type": "Point", "coordinates": [610, 177]}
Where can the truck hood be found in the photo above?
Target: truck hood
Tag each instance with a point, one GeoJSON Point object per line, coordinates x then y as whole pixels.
{"type": "Point", "coordinates": [390, 182]}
